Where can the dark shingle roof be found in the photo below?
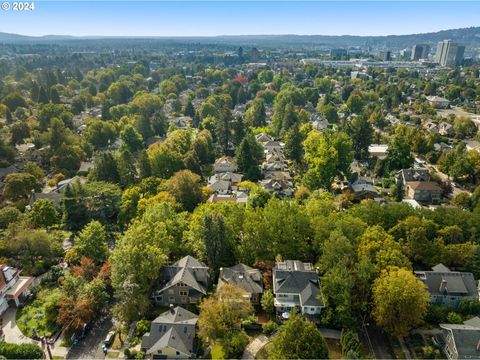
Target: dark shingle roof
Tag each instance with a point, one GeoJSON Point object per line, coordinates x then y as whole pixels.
{"type": "Point", "coordinates": [295, 277]}
{"type": "Point", "coordinates": [189, 271]}
{"type": "Point", "coordinates": [466, 339]}
{"type": "Point", "coordinates": [242, 276]}
{"type": "Point", "coordinates": [174, 329]}
{"type": "Point", "coordinates": [442, 281]}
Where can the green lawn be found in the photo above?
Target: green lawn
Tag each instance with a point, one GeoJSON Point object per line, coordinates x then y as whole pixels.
{"type": "Point", "coordinates": [33, 317]}
{"type": "Point", "coordinates": [217, 351]}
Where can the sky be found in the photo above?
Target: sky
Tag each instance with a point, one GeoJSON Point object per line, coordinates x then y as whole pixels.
{"type": "Point", "coordinates": [211, 18]}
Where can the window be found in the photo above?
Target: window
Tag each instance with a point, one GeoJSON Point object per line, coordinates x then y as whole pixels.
{"type": "Point", "coordinates": [312, 309]}
{"type": "Point", "coordinates": [183, 293]}
{"type": "Point", "coordinates": [184, 329]}
{"type": "Point", "coordinates": [178, 352]}
{"type": "Point", "coordinates": [171, 299]}
{"type": "Point", "coordinates": [170, 291]}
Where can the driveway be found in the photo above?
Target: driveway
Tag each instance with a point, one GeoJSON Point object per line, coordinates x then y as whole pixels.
{"type": "Point", "coordinates": [91, 346]}
{"type": "Point", "coordinates": [11, 331]}
{"type": "Point", "coordinates": [255, 345]}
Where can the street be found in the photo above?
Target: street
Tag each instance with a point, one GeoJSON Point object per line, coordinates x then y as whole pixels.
{"type": "Point", "coordinates": [380, 343]}
{"type": "Point", "coordinates": [91, 346]}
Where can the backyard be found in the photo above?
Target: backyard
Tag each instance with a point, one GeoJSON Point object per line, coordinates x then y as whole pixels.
{"type": "Point", "coordinates": [38, 316]}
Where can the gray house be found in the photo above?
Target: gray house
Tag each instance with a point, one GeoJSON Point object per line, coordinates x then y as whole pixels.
{"type": "Point", "coordinates": [462, 341]}
{"type": "Point", "coordinates": [171, 336]}
{"type": "Point", "coordinates": [184, 282]}
{"type": "Point", "coordinates": [243, 277]}
{"type": "Point", "coordinates": [296, 284]}
{"type": "Point", "coordinates": [448, 287]}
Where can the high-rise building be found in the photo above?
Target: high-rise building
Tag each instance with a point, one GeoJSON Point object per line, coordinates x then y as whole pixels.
{"type": "Point", "coordinates": [406, 53]}
{"type": "Point", "coordinates": [420, 51]}
{"type": "Point", "coordinates": [449, 53]}
{"type": "Point", "coordinates": [385, 55]}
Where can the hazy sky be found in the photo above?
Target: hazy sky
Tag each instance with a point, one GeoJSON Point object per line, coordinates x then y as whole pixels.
{"type": "Point", "coordinates": [182, 18]}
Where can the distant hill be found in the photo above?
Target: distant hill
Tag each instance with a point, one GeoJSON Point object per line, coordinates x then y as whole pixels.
{"type": "Point", "coordinates": [467, 36]}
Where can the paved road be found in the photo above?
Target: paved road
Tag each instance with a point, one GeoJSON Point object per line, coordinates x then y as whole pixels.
{"type": "Point", "coordinates": [91, 346]}
{"type": "Point", "coordinates": [380, 343]}
{"type": "Point", "coordinates": [11, 331]}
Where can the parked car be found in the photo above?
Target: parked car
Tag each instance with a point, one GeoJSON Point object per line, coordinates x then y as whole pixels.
{"type": "Point", "coordinates": [109, 338]}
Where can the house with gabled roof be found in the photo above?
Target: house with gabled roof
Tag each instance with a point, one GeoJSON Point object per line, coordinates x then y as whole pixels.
{"type": "Point", "coordinates": [172, 335]}
{"type": "Point", "coordinates": [225, 164]}
{"type": "Point", "coordinates": [448, 287]}
{"type": "Point", "coordinates": [244, 277]}
{"type": "Point", "coordinates": [14, 289]}
{"type": "Point", "coordinates": [297, 285]}
{"type": "Point", "coordinates": [462, 341]}
{"type": "Point", "coordinates": [280, 187]}
{"type": "Point", "coordinates": [184, 282]}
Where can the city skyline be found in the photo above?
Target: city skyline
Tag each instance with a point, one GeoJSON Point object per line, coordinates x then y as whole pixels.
{"type": "Point", "coordinates": [214, 18]}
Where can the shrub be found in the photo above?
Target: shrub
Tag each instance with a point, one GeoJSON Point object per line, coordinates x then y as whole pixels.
{"type": "Point", "coordinates": [454, 318]}
{"type": "Point", "coordinates": [8, 215]}
{"type": "Point", "coordinates": [234, 343]}
{"type": "Point", "coordinates": [269, 327]}
{"type": "Point", "coordinates": [350, 346]}
{"type": "Point", "coordinates": [20, 351]}
{"type": "Point", "coordinates": [251, 320]}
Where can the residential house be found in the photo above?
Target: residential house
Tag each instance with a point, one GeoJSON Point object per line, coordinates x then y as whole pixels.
{"type": "Point", "coordinates": [277, 175]}
{"type": "Point", "coordinates": [270, 146]}
{"type": "Point", "coordinates": [438, 102]}
{"type": "Point", "coordinates": [462, 341]}
{"type": "Point", "coordinates": [224, 183]}
{"type": "Point", "coordinates": [222, 187]}
{"type": "Point", "coordinates": [172, 335]}
{"type": "Point", "coordinates": [448, 287]}
{"type": "Point", "coordinates": [441, 146]}
{"type": "Point", "coordinates": [274, 166]}
{"type": "Point", "coordinates": [235, 196]}
{"type": "Point", "coordinates": [263, 138]}
{"type": "Point", "coordinates": [245, 278]}
{"type": "Point", "coordinates": [225, 164]}
{"type": "Point", "coordinates": [184, 282]}
{"type": "Point", "coordinates": [14, 289]}
{"type": "Point", "coordinates": [280, 187]}
{"type": "Point", "coordinates": [406, 175]}
{"type": "Point", "coordinates": [472, 145]}
{"type": "Point", "coordinates": [423, 191]}
{"type": "Point", "coordinates": [362, 187]}
{"type": "Point", "coordinates": [431, 126]}
{"type": "Point", "coordinates": [231, 177]}
{"type": "Point", "coordinates": [445, 129]}
{"type": "Point", "coordinates": [378, 151]}
{"type": "Point", "coordinates": [296, 285]}
{"type": "Point", "coordinates": [54, 196]}
{"type": "Point", "coordinates": [181, 122]}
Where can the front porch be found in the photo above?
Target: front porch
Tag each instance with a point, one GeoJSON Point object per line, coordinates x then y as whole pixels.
{"type": "Point", "coordinates": [19, 292]}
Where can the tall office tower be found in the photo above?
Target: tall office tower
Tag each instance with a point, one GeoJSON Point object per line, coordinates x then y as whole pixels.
{"type": "Point", "coordinates": [385, 55]}
{"type": "Point", "coordinates": [420, 51]}
{"type": "Point", "coordinates": [449, 53]}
